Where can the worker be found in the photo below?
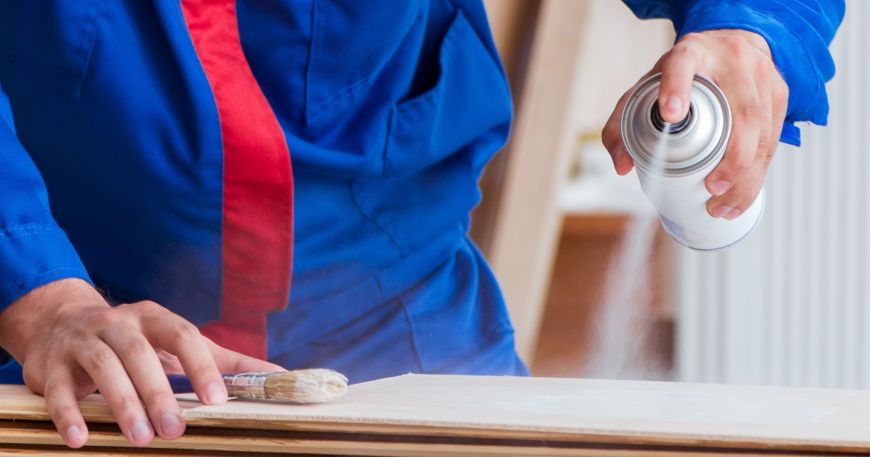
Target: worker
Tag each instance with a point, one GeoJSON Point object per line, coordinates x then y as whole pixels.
{"type": "Point", "coordinates": [216, 186]}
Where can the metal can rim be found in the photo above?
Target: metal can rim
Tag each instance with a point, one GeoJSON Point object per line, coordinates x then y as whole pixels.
{"type": "Point", "coordinates": [641, 160]}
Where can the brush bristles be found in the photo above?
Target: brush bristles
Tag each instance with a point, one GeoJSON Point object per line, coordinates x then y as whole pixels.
{"type": "Point", "coordinates": [316, 385]}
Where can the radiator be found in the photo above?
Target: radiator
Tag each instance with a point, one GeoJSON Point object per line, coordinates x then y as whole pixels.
{"type": "Point", "coordinates": [789, 305]}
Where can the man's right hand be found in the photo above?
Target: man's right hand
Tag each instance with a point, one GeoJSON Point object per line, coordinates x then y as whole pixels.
{"type": "Point", "coordinates": [71, 342]}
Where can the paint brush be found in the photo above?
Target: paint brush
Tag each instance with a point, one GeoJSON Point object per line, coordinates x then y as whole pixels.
{"type": "Point", "coordinates": [315, 385]}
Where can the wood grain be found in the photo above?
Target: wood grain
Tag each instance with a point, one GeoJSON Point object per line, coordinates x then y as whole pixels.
{"type": "Point", "coordinates": [465, 415]}
{"type": "Point", "coordinates": [527, 224]}
{"type": "Point", "coordinates": [512, 23]}
{"type": "Point", "coordinates": [40, 439]}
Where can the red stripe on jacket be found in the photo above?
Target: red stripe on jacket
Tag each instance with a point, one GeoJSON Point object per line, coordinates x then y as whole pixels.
{"type": "Point", "coordinates": [257, 224]}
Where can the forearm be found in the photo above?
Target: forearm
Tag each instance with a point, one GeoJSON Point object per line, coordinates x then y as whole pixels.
{"type": "Point", "coordinates": [34, 250]}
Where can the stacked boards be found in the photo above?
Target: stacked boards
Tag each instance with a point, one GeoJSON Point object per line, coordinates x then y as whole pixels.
{"type": "Point", "coordinates": [433, 415]}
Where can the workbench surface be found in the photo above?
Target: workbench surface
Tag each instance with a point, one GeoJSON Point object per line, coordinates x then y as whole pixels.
{"type": "Point", "coordinates": [436, 415]}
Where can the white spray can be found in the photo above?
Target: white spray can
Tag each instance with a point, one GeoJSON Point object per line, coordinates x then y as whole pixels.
{"type": "Point", "coordinates": [674, 182]}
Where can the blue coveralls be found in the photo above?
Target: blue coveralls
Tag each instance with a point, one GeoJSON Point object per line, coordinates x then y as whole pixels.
{"type": "Point", "coordinates": [389, 110]}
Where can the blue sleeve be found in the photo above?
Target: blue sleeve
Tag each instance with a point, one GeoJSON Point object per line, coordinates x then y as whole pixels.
{"type": "Point", "coordinates": [797, 31]}
{"type": "Point", "coordinates": [33, 249]}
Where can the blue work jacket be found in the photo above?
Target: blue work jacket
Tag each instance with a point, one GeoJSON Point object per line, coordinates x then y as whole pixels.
{"type": "Point", "coordinates": [112, 161]}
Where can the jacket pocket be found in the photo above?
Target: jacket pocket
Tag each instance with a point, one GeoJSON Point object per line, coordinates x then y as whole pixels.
{"type": "Point", "coordinates": [52, 39]}
{"type": "Point", "coordinates": [351, 42]}
{"type": "Point", "coordinates": [469, 100]}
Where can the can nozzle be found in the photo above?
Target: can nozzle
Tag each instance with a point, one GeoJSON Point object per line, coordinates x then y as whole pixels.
{"type": "Point", "coordinates": [676, 127]}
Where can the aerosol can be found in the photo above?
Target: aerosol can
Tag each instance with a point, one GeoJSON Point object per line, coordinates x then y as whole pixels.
{"type": "Point", "coordinates": [674, 181]}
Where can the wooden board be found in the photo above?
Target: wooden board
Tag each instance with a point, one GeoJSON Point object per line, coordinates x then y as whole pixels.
{"type": "Point", "coordinates": [464, 415]}
{"type": "Point", "coordinates": [526, 226]}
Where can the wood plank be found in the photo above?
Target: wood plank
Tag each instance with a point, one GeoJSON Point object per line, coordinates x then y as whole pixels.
{"type": "Point", "coordinates": [17, 402]}
{"type": "Point", "coordinates": [527, 225]}
{"type": "Point", "coordinates": [38, 438]}
{"type": "Point", "coordinates": [512, 23]}
{"type": "Point", "coordinates": [53, 451]}
{"type": "Point", "coordinates": [580, 410]}
{"type": "Point", "coordinates": [558, 413]}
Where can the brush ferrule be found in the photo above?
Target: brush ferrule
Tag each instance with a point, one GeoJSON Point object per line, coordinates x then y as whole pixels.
{"type": "Point", "coordinates": [247, 385]}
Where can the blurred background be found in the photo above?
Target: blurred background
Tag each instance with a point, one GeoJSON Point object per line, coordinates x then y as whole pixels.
{"type": "Point", "coordinates": [786, 306]}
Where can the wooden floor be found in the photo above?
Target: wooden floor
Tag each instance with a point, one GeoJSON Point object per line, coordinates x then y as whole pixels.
{"type": "Point", "coordinates": [438, 416]}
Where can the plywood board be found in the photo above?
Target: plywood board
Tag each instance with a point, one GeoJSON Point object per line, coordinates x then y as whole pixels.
{"type": "Point", "coordinates": [39, 438]}
{"type": "Point", "coordinates": [465, 415]}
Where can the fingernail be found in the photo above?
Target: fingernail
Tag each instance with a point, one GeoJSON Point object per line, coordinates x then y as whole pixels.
{"type": "Point", "coordinates": [140, 431]}
{"type": "Point", "coordinates": [623, 164]}
{"type": "Point", "coordinates": [172, 425]}
{"type": "Point", "coordinates": [216, 393]}
{"type": "Point", "coordinates": [721, 210]}
{"type": "Point", "coordinates": [619, 167]}
{"type": "Point", "coordinates": [733, 214]}
{"type": "Point", "coordinates": [74, 435]}
{"type": "Point", "coordinates": [719, 187]}
{"type": "Point", "coordinates": [674, 105]}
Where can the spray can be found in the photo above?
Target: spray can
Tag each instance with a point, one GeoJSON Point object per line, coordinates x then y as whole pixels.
{"type": "Point", "coordinates": [674, 181]}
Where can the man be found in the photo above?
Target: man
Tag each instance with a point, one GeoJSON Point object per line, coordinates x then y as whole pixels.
{"type": "Point", "coordinates": [163, 132]}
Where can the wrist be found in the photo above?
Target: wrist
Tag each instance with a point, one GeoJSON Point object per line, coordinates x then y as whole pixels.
{"type": "Point", "coordinates": [40, 309]}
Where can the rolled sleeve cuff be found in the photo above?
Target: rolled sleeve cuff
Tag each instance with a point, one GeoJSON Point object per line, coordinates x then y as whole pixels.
{"type": "Point", "coordinates": [33, 255]}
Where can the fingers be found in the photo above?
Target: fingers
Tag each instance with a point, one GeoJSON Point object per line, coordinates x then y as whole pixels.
{"type": "Point", "coordinates": [233, 362]}
{"type": "Point", "coordinates": [612, 138]}
{"type": "Point", "coordinates": [145, 370]}
{"type": "Point", "coordinates": [734, 182]}
{"type": "Point", "coordinates": [737, 180]}
{"type": "Point", "coordinates": [611, 135]}
{"type": "Point", "coordinates": [63, 408]}
{"type": "Point", "coordinates": [104, 367]}
{"type": "Point", "coordinates": [183, 339]}
{"type": "Point", "coordinates": [170, 362]}
{"type": "Point", "coordinates": [678, 71]}
{"type": "Point", "coordinates": [86, 345]}
{"type": "Point", "coordinates": [740, 63]}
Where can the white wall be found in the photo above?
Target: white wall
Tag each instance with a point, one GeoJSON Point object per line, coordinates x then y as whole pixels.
{"type": "Point", "coordinates": [617, 50]}
{"type": "Point", "coordinates": [790, 304]}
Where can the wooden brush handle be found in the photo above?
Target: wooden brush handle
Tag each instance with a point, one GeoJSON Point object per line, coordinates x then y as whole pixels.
{"type": "Point", "coordinates": [241, 385]}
